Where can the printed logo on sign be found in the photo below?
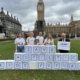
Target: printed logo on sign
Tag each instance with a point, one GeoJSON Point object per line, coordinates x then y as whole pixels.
{"type": "Point", "coordinates": [17, 57]}
{"type": "Point", "coordinates": [17, 65]}
{"type": "Point", "coordinates": [26, 57]}
{"type": "Point", "coordinates": [74, 58]}
{"type": "Point", "coordinates": [72, 66]}
{"type": "Point", "coordinates": [56, 65]}
{"type": "Point", "coordinates": [51, 50]}
{"type": "Point", "coordinates": [28, 49]}
{"type": "Point", "coordinates": [49, 65]}
{"type": "Point", "coordinates": [65, 65]}
{"type": "Point", "coordinates": [49, 57]}
{"type": "Point", "coordinates": [65, 57]}
{"type": "Point", "coordinates": [41, 65]}
{"type": "Point", "coordinates": [57, 57]}
{"type": "Point", "coordinates": [44, 49]}
{"type": "Point", "coordinates": [1, 65]}
{"type": "Point", "coordinates": [36, 49]}
{"type": "Point", "coordinates": [25, 65]}
{"type": "Point", "coordinates": [41, 57]}
{"type": "Point", "coordinates": [9, 65]}
{"type": "Point", "coordinates": [34, 57]}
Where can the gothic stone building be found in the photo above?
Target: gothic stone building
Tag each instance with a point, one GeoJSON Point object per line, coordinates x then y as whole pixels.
{"type": "Point", "coordinates": [72, 29]}
{"type": "Point", "coordinates": [9, 25]}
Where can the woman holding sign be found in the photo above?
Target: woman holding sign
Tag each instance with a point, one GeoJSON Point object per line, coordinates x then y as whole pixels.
{"type": "Point", "coordinates": [49, 40]}
{"type": "Point", "coordinates": [20, 42]}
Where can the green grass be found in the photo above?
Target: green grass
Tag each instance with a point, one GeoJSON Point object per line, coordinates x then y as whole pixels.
{"type": "Point", "coordinates": [7, 52]}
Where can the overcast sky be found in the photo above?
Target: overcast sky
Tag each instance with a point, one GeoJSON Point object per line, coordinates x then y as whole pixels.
{"type": "Point", "coordinates": [55, 11]}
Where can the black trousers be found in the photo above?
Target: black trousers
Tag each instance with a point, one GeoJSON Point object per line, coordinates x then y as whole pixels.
{"type": "Point", "coordinates": [63, 51]}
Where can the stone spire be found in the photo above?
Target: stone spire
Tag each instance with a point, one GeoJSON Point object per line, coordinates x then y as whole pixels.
{"type": "Point", "coordinates": [40, 1]}
{"type": "Point", "coordinates": [14, 17]}
{"type": "Point", "coordinates": [2, 9]}
{"type": "Point", "coordinates": [11, 15]}
{"type": "Point", "coordinates": [71, 18]}
{"type": "Point", "coordinates": [17, 19]}
{"type": "Point", "coordinates": [7, 12]}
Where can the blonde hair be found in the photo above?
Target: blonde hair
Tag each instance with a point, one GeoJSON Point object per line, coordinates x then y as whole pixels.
{"type": "Point", "coordinates": [51, 38]}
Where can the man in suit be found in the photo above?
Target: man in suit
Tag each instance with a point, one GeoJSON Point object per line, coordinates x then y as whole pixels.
{"type": "Point", "coordinates": [64, 39]}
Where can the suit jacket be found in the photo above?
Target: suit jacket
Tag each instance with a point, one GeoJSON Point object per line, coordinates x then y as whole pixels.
{"type": "Point", "coordinates": [64, 51]}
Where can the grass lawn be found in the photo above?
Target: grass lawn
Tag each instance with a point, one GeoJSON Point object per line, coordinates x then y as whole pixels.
{"type": "Point", "coordinates": [7, 52]}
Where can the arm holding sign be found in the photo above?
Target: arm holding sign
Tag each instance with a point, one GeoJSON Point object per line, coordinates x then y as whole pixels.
{"type": "Point", "coordinates": [64, 43]}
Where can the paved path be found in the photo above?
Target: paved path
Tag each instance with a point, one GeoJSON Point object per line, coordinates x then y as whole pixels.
{"type": "Point", "coordinates": [4, 42]}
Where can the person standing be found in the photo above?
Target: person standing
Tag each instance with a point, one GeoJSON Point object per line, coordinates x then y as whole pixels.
{"type": "Point", "coordinates": [30, 40]}
{"type": "Point", "coordinates": [49, 40]}
{"type": "Point", "coordinates": [19, 42]}
{"type": "Point", "coordinates": [64, 39]}
{"type": "Point", "coordinates": [39, 39]}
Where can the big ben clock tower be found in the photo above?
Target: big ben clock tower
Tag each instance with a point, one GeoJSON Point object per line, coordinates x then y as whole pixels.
{"type": "Point", "coordinates": [40, 23]}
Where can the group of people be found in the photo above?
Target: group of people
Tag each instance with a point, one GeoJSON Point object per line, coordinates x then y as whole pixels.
{"type": "Point", "coordinates": [39, 40]}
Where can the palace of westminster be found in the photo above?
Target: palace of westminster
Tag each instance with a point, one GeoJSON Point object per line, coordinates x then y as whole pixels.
{"type": "Point", "coordinates": [71, 29]}
{"type": "Point", "coordinates": [11, 26]}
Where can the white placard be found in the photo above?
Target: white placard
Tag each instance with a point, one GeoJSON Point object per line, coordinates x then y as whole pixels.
{"type": "Point", "coordinates": [9, 64]}
{"type": "Point", "coordinates": [57, 57]}
{"type": "Point", "coordinates": [33, 65]}
{"type": "Point", "coordinates": [17, 57]}
{"type": "Point", "coordinates": [17, 65]}
{"type": "Point", "coordinates": [49, 65]}
{"type": "Point", "coordinates": [52, 49]}
{"type": "Point", "coordinates": [49, 57]}
{"type": "Point", "coordinates": [25, 65]}
{"type": "Point", "coordinates": [36, 49]}
{"type": "Point", "coordinates": [40, 65]}
{"type": "Point", "coordinates": [74, 57]}
{"type": "Point", "coordinates": [65, 56]}
{"type": "Point", "coordinates": [34, 57]}
{"type": "Point", "coordinates": [78, 65]}
{"type": "Point", "coordinates": [72, 66]}
{"type": "Point", "coordinates": [2, 65]}
{"type": "Point", "coordinates": [56, 65]}
{"type": "Point", "coordinates": [41, 57]}
{"type": "Point", "coordinates": [63, 45]}
{"type": "Point", "coordinates": [44, 49]}
{"type": "Point", "coordinates": [28, 49]}
{"type": "Point", "coordinates": [25, 57]}
{"type": "Point", "coordinates": [65, 65]}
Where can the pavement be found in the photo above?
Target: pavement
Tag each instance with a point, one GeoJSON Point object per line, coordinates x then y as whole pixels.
{"type": "Point", "coordinates": [4, 42]}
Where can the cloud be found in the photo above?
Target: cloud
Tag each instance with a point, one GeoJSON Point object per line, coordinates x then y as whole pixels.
{"type": "Point", "coordinates": [55, 11]}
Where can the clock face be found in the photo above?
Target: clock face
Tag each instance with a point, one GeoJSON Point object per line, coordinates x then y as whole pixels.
{"type": "Point", "coordinates": [40, 7]}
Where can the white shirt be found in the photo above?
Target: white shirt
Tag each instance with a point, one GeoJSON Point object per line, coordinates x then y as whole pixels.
{"type": "Point", "coordinates": [19, 41]}
{"type": "Point", "coordinates": [49, 42]}
{"type": "Point", "coordinates": [64, 39]}
{"type": "Point", "coordinates": [30, 40]}
{"type": "Point", "coordinates": [41, 39]}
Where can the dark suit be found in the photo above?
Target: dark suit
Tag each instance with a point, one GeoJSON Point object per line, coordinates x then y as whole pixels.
{"type": "Point", "coordinates": [64, 51]}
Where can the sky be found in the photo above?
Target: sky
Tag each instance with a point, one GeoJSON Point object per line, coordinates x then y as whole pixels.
{"type": "Point", "coordinates": [55, 11]}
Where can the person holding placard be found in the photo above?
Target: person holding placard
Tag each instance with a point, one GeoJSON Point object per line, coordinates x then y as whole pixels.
{"type": "Point", "coordinates": [63, 40]}
{"type": "Point", "coordinates": [20, 42]}
{"type": "Point", "coordinates": [49, 40]}
{"type": "Point", "coordinates": [39, 39]}
{"type": "Point", "coordinates": [31, 40]}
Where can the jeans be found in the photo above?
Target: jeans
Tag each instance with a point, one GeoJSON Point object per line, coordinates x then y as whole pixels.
{"type": "Point", "coordinates": [20, 48]}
